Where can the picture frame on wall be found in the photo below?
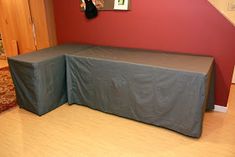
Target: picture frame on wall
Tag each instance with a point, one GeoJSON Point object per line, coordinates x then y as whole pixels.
{"type": "Point", "coordinates": [121, 4]}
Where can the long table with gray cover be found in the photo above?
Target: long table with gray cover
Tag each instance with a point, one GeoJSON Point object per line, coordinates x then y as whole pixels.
{"type": "Point", "coordinates": [163, 89]}
{"type": "Point", "coordinates": [39, 78]}
{"type": "Point", "coordinates": [168, 90]}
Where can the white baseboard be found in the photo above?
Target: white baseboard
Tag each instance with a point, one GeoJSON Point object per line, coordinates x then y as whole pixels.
{"type": "Point", "coordinates": [220, 108]}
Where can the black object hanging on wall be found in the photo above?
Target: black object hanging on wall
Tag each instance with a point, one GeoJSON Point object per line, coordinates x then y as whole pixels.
{"type": "Point", "coordinates": [91, 10]}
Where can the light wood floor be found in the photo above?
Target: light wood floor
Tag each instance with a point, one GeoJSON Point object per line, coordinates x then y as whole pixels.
{"type": "Point", "coordinates": [75, 131]}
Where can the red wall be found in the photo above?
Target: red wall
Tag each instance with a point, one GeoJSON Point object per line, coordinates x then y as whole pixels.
{"type": "Point", "coordinates": [188, 26]}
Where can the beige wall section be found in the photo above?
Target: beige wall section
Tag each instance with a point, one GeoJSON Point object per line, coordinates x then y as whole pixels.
{"type": "Point", "coordinates": [223, 7]}
{"type": "Point", "coordinates": [233, 81]}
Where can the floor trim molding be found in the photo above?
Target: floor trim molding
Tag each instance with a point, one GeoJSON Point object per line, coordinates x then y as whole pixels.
{"type": "Point", "coordinates": [219, 108]}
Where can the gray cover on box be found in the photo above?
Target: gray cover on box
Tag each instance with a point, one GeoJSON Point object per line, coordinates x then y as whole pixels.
{"type": "Point", "coordinates": [40, 79]}
{"type": "Point", "coordinates": [168, 90]}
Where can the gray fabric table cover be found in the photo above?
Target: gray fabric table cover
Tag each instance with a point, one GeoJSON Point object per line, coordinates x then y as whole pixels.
{"type": "Point", "coordinates": [39, 78]}
{"type": "Point", "coordinates": [168, 90]}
